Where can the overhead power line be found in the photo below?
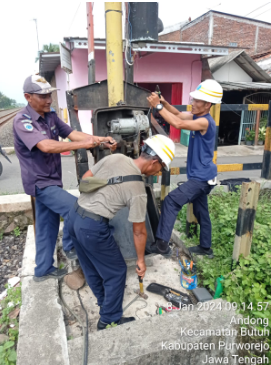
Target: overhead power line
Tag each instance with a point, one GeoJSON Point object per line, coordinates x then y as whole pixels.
{"type": "Point", "coordinates": [269, 2]}
{"type": "Point", "coordinates": [74, 16]}
{"type": "Point", "coordinates": [262, 13]}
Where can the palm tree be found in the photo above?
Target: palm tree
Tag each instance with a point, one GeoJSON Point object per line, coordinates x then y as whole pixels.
{"type": "Point", "coordinates": [48, 48]}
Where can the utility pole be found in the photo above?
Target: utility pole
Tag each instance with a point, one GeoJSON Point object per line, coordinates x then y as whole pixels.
{"type": "Point", "coordinates": [114, 55]}
{"type": "Point", "coordinates": [129, 68]}
{"type": "Point", "coordinates": [91, 58]}
{"type": "Point", "coordinates": [35, 20]}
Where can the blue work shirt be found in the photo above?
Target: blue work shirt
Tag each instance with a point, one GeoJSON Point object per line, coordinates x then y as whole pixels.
{"type": "Point", "coordinates": [200, 164]}
{"type": "Point", "coordinates": [38, 168]}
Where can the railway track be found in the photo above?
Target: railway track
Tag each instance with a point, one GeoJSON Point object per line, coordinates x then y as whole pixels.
{"type": "Point", "coordinates": [7, 115]}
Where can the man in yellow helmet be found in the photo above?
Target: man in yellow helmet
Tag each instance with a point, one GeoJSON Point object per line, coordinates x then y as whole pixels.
{"type": "Point", "coordinates": [201, 171]}
{"type": "Point", "coordinates": [92, 236]}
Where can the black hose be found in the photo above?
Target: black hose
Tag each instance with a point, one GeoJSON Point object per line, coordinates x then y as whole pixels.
{"type": "Point", "coordinates": [85, 331]}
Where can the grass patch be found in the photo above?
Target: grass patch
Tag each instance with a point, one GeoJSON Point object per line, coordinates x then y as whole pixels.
{"type": "Point", "coordinates": [249, 281]}
{"type": "Point", "coordinates": [10, 326]}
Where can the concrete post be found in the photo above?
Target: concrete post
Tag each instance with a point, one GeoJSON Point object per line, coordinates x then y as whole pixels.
{"type": "Point", "coordinates": [245, 220]}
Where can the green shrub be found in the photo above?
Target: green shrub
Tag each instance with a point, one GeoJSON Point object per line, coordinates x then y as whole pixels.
{"type": "Point", "coordinates": [249, 281]}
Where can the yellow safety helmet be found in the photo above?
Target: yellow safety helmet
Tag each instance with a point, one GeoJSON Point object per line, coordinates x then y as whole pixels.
{"type": "Point", "coordinates": [163, 147]}
{"type": "Point", "coordinates": [209, 90]}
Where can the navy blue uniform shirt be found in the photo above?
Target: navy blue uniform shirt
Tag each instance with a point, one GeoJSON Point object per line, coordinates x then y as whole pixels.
{"type": "Point", "coordinates": [200, 154]}
{"type": "Point", "coordinates": [38, 168]}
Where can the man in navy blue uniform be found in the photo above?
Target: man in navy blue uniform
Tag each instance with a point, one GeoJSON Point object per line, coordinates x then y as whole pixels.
{"type": "Point", "coordinates": [201, 171]}
{"type": "Point", "coordinates": [36, 130]}
{"type": "Point", "coordinates": [100, 257]}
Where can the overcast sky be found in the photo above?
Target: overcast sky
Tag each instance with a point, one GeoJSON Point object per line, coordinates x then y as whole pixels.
{"type": "Point", "coordinates": [57, 19]}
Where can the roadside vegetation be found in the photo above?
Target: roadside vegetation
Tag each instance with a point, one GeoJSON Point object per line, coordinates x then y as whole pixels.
{"type": "Point", "coordinates": [248, 282]}
{"type": "Point", "coordinates": [9, 326]}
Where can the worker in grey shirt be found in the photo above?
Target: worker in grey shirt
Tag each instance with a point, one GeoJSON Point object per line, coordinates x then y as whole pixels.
{"type": "Point", "coordinates": [100, 258]}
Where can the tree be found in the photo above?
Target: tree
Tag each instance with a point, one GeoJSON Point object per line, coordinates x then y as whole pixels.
{"type": "Point", "coordinates": [48, 48]}
{"type": "Point", "coordinates": [6, 103]}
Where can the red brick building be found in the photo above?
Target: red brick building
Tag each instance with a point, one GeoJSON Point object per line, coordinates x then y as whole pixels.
{"type": "Point", "coordinates": [224, 29]}
{"type": "Point", "coordinates": [264, 60]}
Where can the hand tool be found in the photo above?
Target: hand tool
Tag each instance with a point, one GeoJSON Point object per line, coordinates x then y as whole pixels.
{"type": "Point", "coordinates": [102, 143]}
{"type": "Point", "coordinates": [176, 297]}
{"type": "Point", "coordinates": [184, 266]}
{"type": "Point", "coordinates": [140, 292]}
{"type": "Point", "coordinates": [157, 90]}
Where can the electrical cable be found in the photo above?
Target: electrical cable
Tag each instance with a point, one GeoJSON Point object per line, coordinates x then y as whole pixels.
{"type": "Point", "coordinates": [74, 16]}
{"type": "Point", "coordinates": [84, 329]}
{"type": "Point", "coordinates": [262, 13]}
{"type": "Point", "coordinates": [138, 309]}
{"type": "Point", "coordinates": [260, 92]}
{"type": "Point", "coordinates": [258, 8]}
{"type": "Point", "coordinates": [239, 115]}
{"type": "Point", "coordinates": [137, 298]}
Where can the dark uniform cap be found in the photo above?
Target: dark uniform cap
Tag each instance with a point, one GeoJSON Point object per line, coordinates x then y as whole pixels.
{"type": "Point", "coordinates": [36, 84]}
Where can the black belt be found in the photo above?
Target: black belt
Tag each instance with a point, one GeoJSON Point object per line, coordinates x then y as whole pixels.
{"type": "Point", "coordinates": [84, 213]}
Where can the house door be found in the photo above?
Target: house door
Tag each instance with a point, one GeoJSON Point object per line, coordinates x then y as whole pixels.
{"type": "Point", "coordinates": [176, 99]}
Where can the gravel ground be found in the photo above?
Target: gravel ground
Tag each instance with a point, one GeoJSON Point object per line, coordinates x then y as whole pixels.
{"type": "Point", "coordinates": [11, 254]}
{"type": "Point", "coordinates": [6, 135]}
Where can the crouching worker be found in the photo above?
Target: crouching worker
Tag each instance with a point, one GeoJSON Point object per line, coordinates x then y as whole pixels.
{"type": "Point", "coordinates": [113, 183]}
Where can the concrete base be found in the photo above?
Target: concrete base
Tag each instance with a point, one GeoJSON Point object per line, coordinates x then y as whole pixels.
{"type": "Point", "coordinates": [44, 340]}
{"type": "Point", "coordinates": [159, 270]}
{"type": "Point", "coordinates": [42, 334]}
{"type": "Point", "coordinates": [16, 211]}
{"type": "Point", "coordinates": [148, 341]}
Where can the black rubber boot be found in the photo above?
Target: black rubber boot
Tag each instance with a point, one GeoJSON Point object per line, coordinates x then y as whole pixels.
{"type": "Point", "coordinates": [102, 326]}
{"type": "Point", "coordinates": [160, 247]}
{"type": "Point", "coordinates": [198, 250]}
{"type": "Point", "coordinates": [57, 274]}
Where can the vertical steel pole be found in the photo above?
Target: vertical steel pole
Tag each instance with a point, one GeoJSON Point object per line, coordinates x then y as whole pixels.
{"type": "Point", "coordinates": [91, 58]}
{"type": "Point", "coordinates": [257, 125]}
{"type": "Point", "coordinates": [114, 55]}
{"type": "Point", "coordinates": [241, 127]}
